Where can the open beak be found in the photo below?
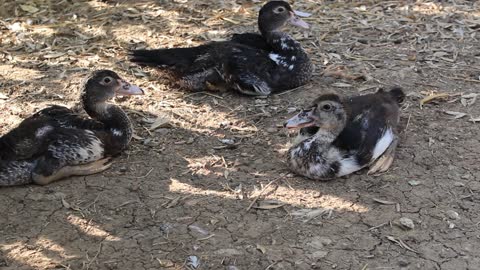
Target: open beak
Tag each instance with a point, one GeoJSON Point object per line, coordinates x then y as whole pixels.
{"type": "Point", "coordinates": [295, 20]}
{"type": "Point", "coordinates": [127, 89]}
{"type": "Point", "coordinates": [303, 119]}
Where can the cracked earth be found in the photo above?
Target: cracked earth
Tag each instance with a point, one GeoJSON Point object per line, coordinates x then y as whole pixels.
{"type": "Point", "coordinates": [179, 198]}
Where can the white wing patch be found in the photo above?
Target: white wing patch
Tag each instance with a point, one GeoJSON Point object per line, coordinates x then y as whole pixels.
{"type": "Point", "coordinates": [278, 59]}
{"type": "Point", "coordinates": [348, 166]}
{"type": "Point", "coordinates": [383, 143]}
{"type": "Point", "coordinates": [117, 132]}
{"type": "Point", "coordinates": [282, 60]}
{"type": "Point", "coordinates": [43, 131]}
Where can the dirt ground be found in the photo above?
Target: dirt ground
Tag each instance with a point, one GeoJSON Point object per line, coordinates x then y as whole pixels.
{"type": "Point", "coordinates": [183, 197]}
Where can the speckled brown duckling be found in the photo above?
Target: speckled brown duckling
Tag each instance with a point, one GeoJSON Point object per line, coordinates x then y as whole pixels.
{"type": "Point", "coordinates": [56, 143]}
{"type": "Point", "coordinates": [249, 63]}
{"type": "Point", "coordinates": [339, 136]}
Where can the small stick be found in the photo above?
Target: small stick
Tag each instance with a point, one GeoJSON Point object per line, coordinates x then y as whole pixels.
{"type": "Point", "coordinates": [260, 194]}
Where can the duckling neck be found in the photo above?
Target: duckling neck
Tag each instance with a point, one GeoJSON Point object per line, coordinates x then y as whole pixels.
{"type": "Point", "coordinates": [315, 157]}
{"type": "Point", "coordinates": [283, 43]}
{"type": "Point", "coordinates": [116, 124]}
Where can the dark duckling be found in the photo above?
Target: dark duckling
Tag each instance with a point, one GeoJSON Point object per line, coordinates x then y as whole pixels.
{"type": "Point", "coordinates": [251, 64]}
{"type": "Point", "coordinates": [339, 136]}
{"type": "Point", "coordinates": [55, 143]}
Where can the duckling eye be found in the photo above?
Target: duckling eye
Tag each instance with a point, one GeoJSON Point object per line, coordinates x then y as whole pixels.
{"type": "Point", "coordinates": [107, 80]}
{"type": "Point", "coordinates": [327, 107]}
{"type": "Point", "coordinates": [279, 10]}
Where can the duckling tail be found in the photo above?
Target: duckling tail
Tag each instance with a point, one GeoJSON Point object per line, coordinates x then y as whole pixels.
{"type": "Point", "coordinates": [175, 58]}
{"type": "Point", "coordinates": [397, 93]}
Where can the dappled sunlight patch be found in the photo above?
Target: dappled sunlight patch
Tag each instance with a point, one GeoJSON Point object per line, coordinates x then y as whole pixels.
{"type": "Point", "coordinates": [184, 188]}
{"type": "Point", "coordinates": [205, 165]}
{"type": "Point", "coordinates": [15, 73]}
{"type": "Point", "coordinates": [314, 199]}
{"type": "Point", "coordinates": [90, 228]}
{"type": "Point", "coordinates": [283, 195]}
{"type": "Point", "coordinates": [27, 255]}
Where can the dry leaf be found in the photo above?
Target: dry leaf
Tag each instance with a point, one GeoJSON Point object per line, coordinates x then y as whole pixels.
{"type": "Point", "coordinates": [230, 20]}
{"type": "Point", "coordinates": [310, 213]}
{"type": "Point", "coordinates": [456, 115]}
{"type": "Point", "coordinates": [268, 204]}
{"type": "Point", "coordinates": [474, 120]}
{"type": "Point", "coordinates": [384, 201]}
{"type": "Point", "coordinates": [161, 121]}
{"type": "Point", "coordinates": [261, 248]}
{"type": "Point", "coordinates": [302, 14]}
{"type": "Point", "coordinates": [341, 85]}
{"type": "Point", "coordinates": [433, 97]}
{"type": "Point", "coordinates": [136, 137]}
{"type": "Point", "coordinates": [53, 55]}
{"type": "Point", "coordinates": [29, 8]}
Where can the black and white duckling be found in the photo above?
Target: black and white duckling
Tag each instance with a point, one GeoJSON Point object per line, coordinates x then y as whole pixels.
{"type": "Point", "coordinates": [55, 143]}
{"type": "Point", "coordinates": [339, 136]}
{"type": "Point", "coordinates": [249, 63]}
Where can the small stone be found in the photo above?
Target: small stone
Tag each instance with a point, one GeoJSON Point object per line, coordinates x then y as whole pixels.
{"type": "Point", "coordinates": [414, 183]}
{"type": "Point", "coordinates": [317, 255]}
{"type": "Point", "coordinates": [291, 110]}
{"type": "Point", "coordinates": [451, 225]}
{"type": "Point", "coordinates": [407, 223]}
{"type": "Point", "coordinates": [231, 267]}
{"type": "Point", "coordinates": [271, 130]}
{"type": "Point", "coordinates": [403, 263]}
{"type": "Point", "coordinates": [122, 169]}
{"type": "Point", "coordinates": [452, 214]}
{"type": "Point", "coordinates": [227, 141]}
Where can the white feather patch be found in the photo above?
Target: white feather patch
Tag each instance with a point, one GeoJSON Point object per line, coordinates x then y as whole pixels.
{"type": "Point", "coordinates": [348, 166]}
{"type": "Point", "coordinates": [117, 132]}
{"type": "Point", "coordinates": [43, 131]}
{"type": "Point", "coordinates": [383, 143]}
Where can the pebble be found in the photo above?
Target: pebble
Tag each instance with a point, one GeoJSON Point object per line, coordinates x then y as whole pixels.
{"type": "Point", "coordinates": [271, 130]}
{"type": "Point", "coordinates": [291, 110]}
{"type": "Point", "coordinates": [452, 214]}
{"type": "Point", "coordinates": [407, 223]}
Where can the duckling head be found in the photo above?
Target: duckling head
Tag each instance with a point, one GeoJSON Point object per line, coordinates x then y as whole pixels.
{"type": "Point", "coordinates": [327, 112]}
{"type": "Point", "coordinates": [276, 14]}
{"type": "Point", "coordinates": [101, 86]}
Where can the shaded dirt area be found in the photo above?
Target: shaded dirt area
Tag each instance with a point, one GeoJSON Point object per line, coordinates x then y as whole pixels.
{"type": "Point", "coordinates": [179, 197]}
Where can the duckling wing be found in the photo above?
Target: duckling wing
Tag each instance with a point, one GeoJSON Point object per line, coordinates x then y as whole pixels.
{"type": "Point", "coordinates": [252, 40]}
{"type": "Point", "coordinates": [371, 127]}
{"type": "Point", "coordinates": [65, 117]}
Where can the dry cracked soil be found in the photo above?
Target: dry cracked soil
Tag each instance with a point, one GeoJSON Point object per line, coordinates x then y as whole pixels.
{"type": "Point", "coordinates": [204, 185]}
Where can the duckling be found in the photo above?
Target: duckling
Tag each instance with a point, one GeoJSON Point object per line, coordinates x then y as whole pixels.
{"type": "Point", "coordinates": [55, 143]}
{"type": "Point", "coordinates": [249, 63]}
{"type": "Point", "coordinates": [339, 136]}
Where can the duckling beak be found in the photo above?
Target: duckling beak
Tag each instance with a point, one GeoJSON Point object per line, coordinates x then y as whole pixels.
{"type": "Point", "coordinates": [295, 20]}
{"type": "Point", "coordinates": [304, 119]}
{"type": "Point", "coordinates": [127, 89]}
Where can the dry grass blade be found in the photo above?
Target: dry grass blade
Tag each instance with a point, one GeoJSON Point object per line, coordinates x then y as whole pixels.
{"type": "Point", "coordinates": [384, 201]}
{"type": "Point", "coordinates": [401, 244]}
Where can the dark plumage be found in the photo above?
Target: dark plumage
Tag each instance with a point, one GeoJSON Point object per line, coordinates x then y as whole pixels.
{"type": "Point", "coordinates": [339, 136]}
{"type": "Point", "coordinates": [250, 63]}
{"type": "Point", "coordinates": [55, 142]}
